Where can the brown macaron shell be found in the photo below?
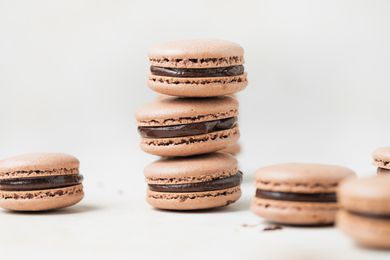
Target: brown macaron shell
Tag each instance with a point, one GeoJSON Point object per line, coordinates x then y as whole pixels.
{"type": "Point", "coordinates": [381, 157]}
{"type": "Point", "coordinates": [365, 210]}
{"type": "Point", "coordinates": [197, 54]}
{"type": "Point", "coordinates": [40, 165]}
{"type": "Point", "coordinates": [178, 111]}
{"type": "Point", "coordinates": [192, 170]}
{"type": "Point", "coordinates": [233, 149]}
{"type": "Point", "coordinates": [299, 178]}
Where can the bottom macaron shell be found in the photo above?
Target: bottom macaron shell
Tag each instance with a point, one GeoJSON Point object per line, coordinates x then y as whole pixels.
{"type": "Point", "coordinates": [369, 232]}
{"type": "Point", "coordinates": [193, 201]}
{"type": "Point", "coordinates": [41, 200]}
{"type": "Point", "coordinates": [381, 171]}
{"type": "Point", "coordinates": [295, 213]}
{"type": "Point", "coordinates": [197, 87]}
{"type": "Point", "coordinates": [191, 145]}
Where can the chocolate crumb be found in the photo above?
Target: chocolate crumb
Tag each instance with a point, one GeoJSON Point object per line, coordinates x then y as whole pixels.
{"type": "Point", "coordinates": [272, 228]}
{"type": "Point", "coordinates": [248, 225]}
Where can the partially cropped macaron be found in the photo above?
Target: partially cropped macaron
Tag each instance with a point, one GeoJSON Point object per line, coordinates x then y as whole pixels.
{"type": "Point", "coordinates": [37, 182]}
{"type": "Point", "coordinates": [197, 68]}
{"type": "Point", "coordinates": [381, 159]}
{"type": "Point", "coordinates": [298, 193]}
{"type": "Point", "coordinates": [188, 126]}
{"type": "Point", "coordinates": [365, 210]}
{"type": "Point", "coordinates": [193, 183]}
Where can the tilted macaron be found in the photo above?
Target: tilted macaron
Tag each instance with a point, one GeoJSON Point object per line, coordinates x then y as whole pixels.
{"type": "Point", "coordinates": [365, 210]}
{"type": "Point", "coordinates": [197, 68]}
{"type": "Point", "coordinates": [191, 183]}
{"type": "Point", "coordinates": [298, 193]}
{"type": "Point", "coordinates": [381, 157]}
{"type": "Point", "coordinates": [185, 126]}
{"type": "Point", "coordinates": [44, 181]}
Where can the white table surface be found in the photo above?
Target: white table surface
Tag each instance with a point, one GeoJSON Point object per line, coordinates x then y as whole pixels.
{"type": "Point", "coordinates": [115, 222]}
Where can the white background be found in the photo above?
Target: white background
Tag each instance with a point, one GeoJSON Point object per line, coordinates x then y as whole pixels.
{"type": "Point", "coordinates": [73, 72]}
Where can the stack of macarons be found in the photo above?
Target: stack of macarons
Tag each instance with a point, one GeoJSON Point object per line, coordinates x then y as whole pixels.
{"type": "Point", "coordinates": [194, 117]}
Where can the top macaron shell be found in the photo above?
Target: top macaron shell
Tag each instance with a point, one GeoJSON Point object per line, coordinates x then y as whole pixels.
{"type": "Point", "coordinates": [302, 177]}
{"type": "Point", "coordinates": [381, 157]}
{"type": "Point", "coordinates": [198, 55]}
{"type": "Point", "coordinates": [37, 164]}
{"type": "Point", "coordinates": [196, 168]}
{"type": "Point", "coordinates": [173, 111]}
{"type": "Point", "coordinates": [175, 54]}
{"type": "Point", "coordinates": [367, 195]}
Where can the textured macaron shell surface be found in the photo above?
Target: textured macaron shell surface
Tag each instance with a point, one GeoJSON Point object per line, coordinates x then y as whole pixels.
{"type": "Point", "coordinates": [39, 164]}
{"type": "Point", "coordinates": [194, 54]}
{"type": "Point", "coordinates": [301, 177]}
{"type": "Point", "coordinates": [174, 111]}
{"type": "Point", "coordinates": [367, 195]}
{"type": "Point", "coordinates": [191, 169]}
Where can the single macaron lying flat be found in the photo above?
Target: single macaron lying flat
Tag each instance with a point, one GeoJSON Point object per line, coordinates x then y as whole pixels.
{"type": "Point", "coordinates": [35, 182]}
{"type": "Point", "coordinates": [381, 157]}
{"type": "Point", "coordinates": [192, 183]}
{"type": "Point", "coordinates": [197, 68]}
{"type": "Point", "coordinates": [188, 126]}
{"type": "Point", "coordinates": [298, 193]}
{"type": "Point", "coordinates": [365, 210]}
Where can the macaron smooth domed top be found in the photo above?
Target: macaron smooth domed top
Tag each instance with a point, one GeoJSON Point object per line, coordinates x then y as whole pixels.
{"type": "Point", "coordinates": [173, 111]}
{"type": "Point", "coordinates": [381, 157]}
{"type": "Point", "coordinates": [164, 54]}
{"type": "Point", "coordinates": [221, 164]}
{"type": "Point", "coordinates": [368, 195]}
{"type": "Point", "coordinates": [38, 162]}
{"type": "Point", "coordinates": [302, 177]}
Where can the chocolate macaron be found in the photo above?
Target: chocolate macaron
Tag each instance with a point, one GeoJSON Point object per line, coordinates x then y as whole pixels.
{"type": "Point", "coordinates": [35, 182]}
{"type": "Point", "coordinates": [191, 183]}
{"type": "Point", "coordinates": [188, 126]}
{"type": "Point", "coordinates": [381, 157]}
{"type": "Point", "coordinates": [197, 68]}
{"type": "Point", "coordinates": [365, 210]}
{"type": "Point", "coordinates": [298, 193]}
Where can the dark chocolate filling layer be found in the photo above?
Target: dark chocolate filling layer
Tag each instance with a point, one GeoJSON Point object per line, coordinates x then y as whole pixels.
{"type": "Point", "coordinates": [370, 215]}
{"type": "Point", "coordinates": [40, 183]}
{"type": "Point", "coordinates": [292, 196]}
{"type": "Point", "coordinates": [217, 184]}
{"type": "Point", "coordinates": [187, 129]}
{"type": "Point", "coordinates": [197, 73]}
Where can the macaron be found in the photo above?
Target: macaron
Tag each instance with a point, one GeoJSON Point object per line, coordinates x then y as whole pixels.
{"type": "Point", "coordinates": [381, 159]}
{"type": "Point", "coordinates": [298, 193]}
{"type": "Point", "coordinates": [365, 210]}
{"type": "Point", "coordinates": [197, 68]}
{"type": "Point", "coordinates": [42, 181]}
{"type": "Point", "coordinates": [188, 126]}
{"type": "Point", "coordinates": [193, 183]}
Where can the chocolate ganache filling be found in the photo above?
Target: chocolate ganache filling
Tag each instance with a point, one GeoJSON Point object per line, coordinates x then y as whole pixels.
{"type": "Point", "coordinates": [187, 129]}
{"type": "Point", "coordinates": [370, 215]}
{"type": "Point", "coordinates": [292, 196]}
{"type": "Point", "coordinates": [217, 184]}
{"type": "Point", "coordinates": [197, 73]}
{"type": "Point", "coordinates": [40, 183]}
